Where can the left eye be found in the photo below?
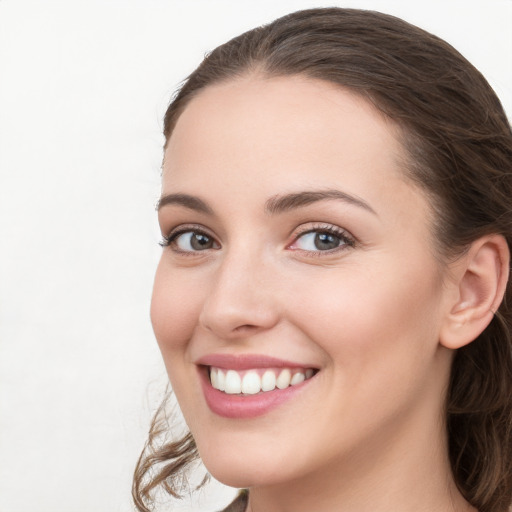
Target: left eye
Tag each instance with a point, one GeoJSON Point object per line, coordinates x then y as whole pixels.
{"type": "Point", "coordinates": [319, 241]}
{"type": "Point", "coordinates": [193, 241]}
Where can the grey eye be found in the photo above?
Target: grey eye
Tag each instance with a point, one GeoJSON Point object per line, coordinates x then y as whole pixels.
{"type": "Point", "coordinates": [193, 241]}
{"type": "Point", "coordinates": [318, 241]}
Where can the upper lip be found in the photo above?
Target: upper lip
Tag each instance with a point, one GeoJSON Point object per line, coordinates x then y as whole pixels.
{"type": "Point", "coordinates": [247, 361]}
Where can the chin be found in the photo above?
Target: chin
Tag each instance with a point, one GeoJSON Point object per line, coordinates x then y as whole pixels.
{"type": "Point", "coordinates": [241, 470]}
{"type": "Point", "coordinates": [236, 476]}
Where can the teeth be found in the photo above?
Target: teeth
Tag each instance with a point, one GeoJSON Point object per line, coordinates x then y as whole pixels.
{"type": "Point", "coordinates": [284, 379]}
{"type": "Point", "coordinates": [233, 383]}
{"type": "Point", "coordinates": [221, 380]}
{"type": "Point", "coordinates": [268, 381]}
{"type": "Point", "coordinates": [213, 378]}
{"type": "Point", "coordinates": [252, 382]}
{"type": "Point", "coordinates": [297, 379]}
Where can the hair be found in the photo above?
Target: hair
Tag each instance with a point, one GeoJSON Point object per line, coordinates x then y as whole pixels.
{"type": "Point", "coordinates": [459, 151]}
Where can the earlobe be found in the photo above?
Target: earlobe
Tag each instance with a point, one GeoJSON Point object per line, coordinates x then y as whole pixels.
{"type": "Point", "coordinates": [479, 284]}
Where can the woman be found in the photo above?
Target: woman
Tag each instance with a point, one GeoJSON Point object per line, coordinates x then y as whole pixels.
{"type": "Point", "coordinates": [332, 302]}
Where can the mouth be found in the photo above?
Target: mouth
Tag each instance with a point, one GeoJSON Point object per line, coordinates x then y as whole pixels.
{"type": "Point", "coordinates": [257, 380]}
{"type": "Point", "coordinates": [247, 386]}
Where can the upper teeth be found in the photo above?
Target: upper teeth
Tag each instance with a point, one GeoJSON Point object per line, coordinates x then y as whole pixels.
{"type": "Point", "coordinates": [253, 381]}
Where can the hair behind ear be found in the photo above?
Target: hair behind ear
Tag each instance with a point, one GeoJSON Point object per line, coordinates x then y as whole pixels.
{"type": "Point", "coordinates": [479, 403]}
{"type": "Point", "coordinates": [479, 418]}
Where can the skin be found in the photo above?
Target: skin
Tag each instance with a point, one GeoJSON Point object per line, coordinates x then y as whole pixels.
{"type": "Point", "coordinates": [367, 432]}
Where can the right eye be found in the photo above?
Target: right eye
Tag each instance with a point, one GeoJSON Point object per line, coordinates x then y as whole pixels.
{"type": "Point", "coordinates": [190, 241]}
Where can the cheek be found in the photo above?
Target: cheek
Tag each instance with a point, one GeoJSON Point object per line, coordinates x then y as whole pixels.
{"type": "Point", "coordinates": [360, 319]}
{"type": "Point", "coordinates": [379, 337]}
{"type": "Point", "coordinates": [175, 308]}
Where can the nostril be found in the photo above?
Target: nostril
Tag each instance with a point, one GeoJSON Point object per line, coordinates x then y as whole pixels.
{"type": "Point", "coordinates": [245, 328]}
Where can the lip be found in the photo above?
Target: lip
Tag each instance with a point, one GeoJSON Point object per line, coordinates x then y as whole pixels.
{"type": "Point", "coordinates": [247, 406]}
{"type": "Point", "coordinates": [247, 362]}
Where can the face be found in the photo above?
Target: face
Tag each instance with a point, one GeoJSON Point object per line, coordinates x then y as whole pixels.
{"type": "Point", "coordinates": [299, 274]}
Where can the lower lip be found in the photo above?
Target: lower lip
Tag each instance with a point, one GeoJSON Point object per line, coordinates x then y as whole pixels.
{"type": "Point", "coordinates": [246, 406]}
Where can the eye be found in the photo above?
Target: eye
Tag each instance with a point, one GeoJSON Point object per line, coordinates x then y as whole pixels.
{"type": "Point", "coordinates": [322, 240]}
{"type": "Point", "coordinates": [190, 241]}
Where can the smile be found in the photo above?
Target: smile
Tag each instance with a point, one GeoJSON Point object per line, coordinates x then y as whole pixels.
{"type": "Point", "coordinates": [246, 386]}
{"type": "Point", "coordinates": [254, 381]}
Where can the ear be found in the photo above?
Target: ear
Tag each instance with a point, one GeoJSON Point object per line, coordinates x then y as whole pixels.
{"type": "Point", "coordinates": [479, 283]}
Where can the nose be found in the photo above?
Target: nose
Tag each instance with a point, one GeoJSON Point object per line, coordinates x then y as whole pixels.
{"type": "Point", "coordinates": [241, 299]}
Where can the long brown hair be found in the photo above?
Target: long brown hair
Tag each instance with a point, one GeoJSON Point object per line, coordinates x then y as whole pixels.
{"type": "Point", "coordinates": [459, 146]}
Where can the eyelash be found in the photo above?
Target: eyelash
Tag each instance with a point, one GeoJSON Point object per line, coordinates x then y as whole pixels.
{"type": "Point", "coordinates": [170, 239]}
{"type": "Point", "coordinates": [346, 240]}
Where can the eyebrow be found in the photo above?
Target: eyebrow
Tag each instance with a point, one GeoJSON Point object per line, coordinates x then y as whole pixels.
{"type": "Point", "coordinates": [279, 204]}
{"type": "Point", "coordinates": [274, 205]}
{"type": "Point", "coordinates": [186, 200]}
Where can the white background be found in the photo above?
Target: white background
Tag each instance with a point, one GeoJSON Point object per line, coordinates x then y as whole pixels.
{"type": "Point", "coordinates": [83, 88]}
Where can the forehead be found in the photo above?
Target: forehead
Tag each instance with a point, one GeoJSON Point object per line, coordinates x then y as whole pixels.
{"type": "Point", "coordinates": [282, 110]}
{"type": "Point", "coordinates": [272, 134]}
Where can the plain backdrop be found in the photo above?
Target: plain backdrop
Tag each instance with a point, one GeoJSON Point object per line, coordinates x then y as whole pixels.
{"type": "Point", "coordinates": [83, 88]}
